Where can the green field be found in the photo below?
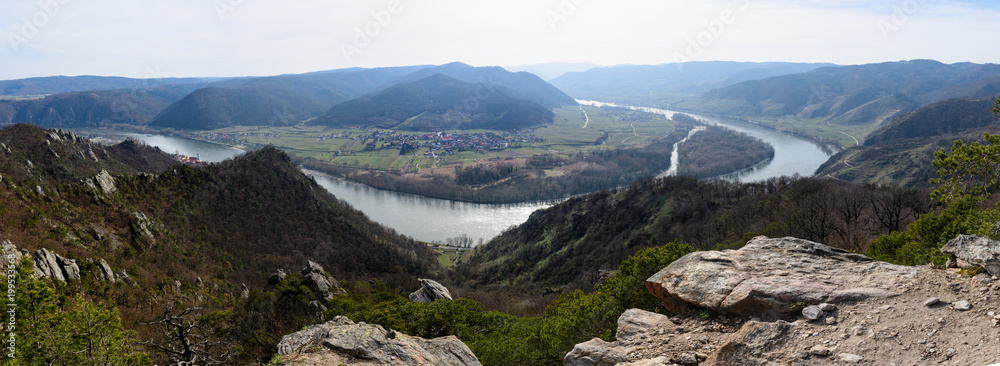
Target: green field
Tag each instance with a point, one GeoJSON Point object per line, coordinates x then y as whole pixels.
{"type": "Point", "coordinates": [566, 135]}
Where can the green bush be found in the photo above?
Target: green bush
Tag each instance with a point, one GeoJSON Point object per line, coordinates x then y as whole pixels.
{"type": "Point", "coordinates": [501, 339]}
{"type": "Point", "coordinates": [921, 242]}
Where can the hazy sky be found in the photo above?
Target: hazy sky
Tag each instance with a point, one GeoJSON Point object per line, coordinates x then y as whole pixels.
{"type": "Point", "coordinates": [267, 37]}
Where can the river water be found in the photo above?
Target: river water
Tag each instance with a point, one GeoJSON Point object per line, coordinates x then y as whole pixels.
{"type": "Point", "coordinates": [431, 219]}
{"type": "Point", "coordinates": [792, 154]}
{"type": "Point", "coordinates": [427, 219]}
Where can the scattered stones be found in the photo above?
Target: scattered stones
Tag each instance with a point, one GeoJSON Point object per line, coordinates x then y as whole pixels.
{"type": "Point", "coordinates": [430, 291]}
{"type": "Point", "coordinates": [745, 282]}
{"type": "Point", "coordinates": [850, 357]}
{"type": "Point", "coordinates": [830, 320]}
{"type": "Point", "coordinates": [963, 306]}
{"type": "Point", "coordinates": [687, 359]}
{"type": "Point", "coordinates": [819, 350]}
{"type": "Point", "coordinates": [812, 312]}
{"type": "Point", "coordinates": [932, 301]}
{"type": "Point", "coordinates": [825, 307]}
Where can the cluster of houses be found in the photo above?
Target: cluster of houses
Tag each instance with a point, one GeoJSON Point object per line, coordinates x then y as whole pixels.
{"type": "Point", "coordinates": [190, 160]}
{"type": "Point", "coordinates": [443, 143]}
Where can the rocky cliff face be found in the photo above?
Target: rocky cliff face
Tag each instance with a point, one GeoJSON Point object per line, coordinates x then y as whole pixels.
{"type": "Point", "coordinates": [793, 302]}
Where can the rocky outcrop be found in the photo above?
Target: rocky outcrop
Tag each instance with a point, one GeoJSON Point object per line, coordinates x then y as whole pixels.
{"type": "Point", "coordinates": [103, 184]}
{"type": "Point", "coordinates": [276, 278]}
{"type": "Point", "coordinates": [430, 291]}
{"type": "Point", "coordinates": [10, 252]}
{"type": "Point", "coordinates": [770, 275]}
{"type": "Point", "coordinates": [326, 288]}
{"type": "Point", "coordinates": [342, 342]}
{"type": "Point", "coordinates": [635, 329]}
{"type": "Point", "coordinates": [46, 265]}
{"type": "Point", "coordinates": [972, 250]}
{"type": "Point", "coordinates": [750, 344]}
{"type": "Point", "coordinates": [142, 227]}
{"type": "Point", "coordinates": [104, 271]}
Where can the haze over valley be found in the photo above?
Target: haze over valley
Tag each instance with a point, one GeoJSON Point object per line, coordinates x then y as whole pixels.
{"type": "Point", "coordinates": [557, 182]}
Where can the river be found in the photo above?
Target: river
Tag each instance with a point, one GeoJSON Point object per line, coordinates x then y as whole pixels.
{"type": "Point", "coordinates": [792, 154]}
{"type": "Point", "coordinates": [427, 219]}
{"type": "Point", "coordinates": [431, 219]}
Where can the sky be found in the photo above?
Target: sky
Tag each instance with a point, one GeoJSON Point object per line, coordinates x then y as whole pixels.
{"type": "Point", "coordinates": [184, 38]}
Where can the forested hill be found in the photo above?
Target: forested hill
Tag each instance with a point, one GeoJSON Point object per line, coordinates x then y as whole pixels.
{"type": "Point", "coordinates": [937, 119]}
{"type": "Point", "coordinates": [654, 85]}
{"type": "Point", "coordinates": [851, 95]}
{"type": "Point", "coordinates": [94, 108]}
{"type": "Point", "coordinates": [63, 158]}
{"type": "Point", "coordinates": [439, 102]}
{"type": "Point", "coordinates": [258, 212]}
{"type": "Point", "coordinates": [570, 243]}
{"type": "Point", "coordinates": [239, 220]}
{"type": "Point", "coordinates": [524, 85]}
{"type": "Point", "coordinates": [275, 100]}
{"type": "Point", "coordinates": [901, 152]}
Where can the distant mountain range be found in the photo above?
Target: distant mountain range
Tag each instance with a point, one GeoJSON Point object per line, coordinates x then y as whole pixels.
{"type": "Point", "coordinates": [439, 102]}
{"type": "Point", "coordinates": [659, 85]}
{"type": "Point", "coordinates": [67, 84]}
{"type": "Point", "coordinates": [276, 100]}
{"type": "Point", "coordinates": [265, 101]}
{"type": "Point", "coordinates": [851, 95]}
{"type": "Point", "coordinates": [93, 108]}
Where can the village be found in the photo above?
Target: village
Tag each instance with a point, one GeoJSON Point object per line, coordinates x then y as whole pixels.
{"type": "Point", "coordinates": [443, 143]}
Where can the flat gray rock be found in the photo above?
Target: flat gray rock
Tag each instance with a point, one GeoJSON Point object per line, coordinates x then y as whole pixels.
{"type": "Point", "coordinates": [771, 275]}
{"type": "Point", "coordinates": [341, 341]}
{"type": "Point", "coordinates": [974, 250]}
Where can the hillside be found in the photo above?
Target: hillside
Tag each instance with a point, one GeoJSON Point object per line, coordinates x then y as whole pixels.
{"type": "Point", "coordinates": [60, 158]}
{"type": "Point", "coordinates": [901, 151]}
{"type": "Point", "coordinates": [94, 108]}
{"type": "Point", "coordinates": [524, 85]}
{"type": "Point", "coordinates": [276, 100]}
{"type": "Point", "coordinates": [239, 220]}
{"type": "Point", "coordinates": [661, 85]}
{"type": "Point", "coordinates": [129, 229]}
{"type": "Point", "coordinates": [573, 243]}
{"type": "Point", "coordinates": [435, 103]}
{"type": "Point", "coordinates": [68, 84]}
{"type": "Point", "coordinates": [849, 95]}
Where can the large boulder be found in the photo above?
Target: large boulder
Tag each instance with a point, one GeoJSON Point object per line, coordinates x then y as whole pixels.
{"type": "Point", "coordinates": [314, 277]}
{"type": "Point", "coordinates": [636, 331]}
{"type": "Point", "coordinates": [772, 275]}
{"type": "Point", "coordinates": [342, 342]}
{"type": "Point", "coordinates": [430, 291]}
{"type": "Point", "coordinates": [974, 251]}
